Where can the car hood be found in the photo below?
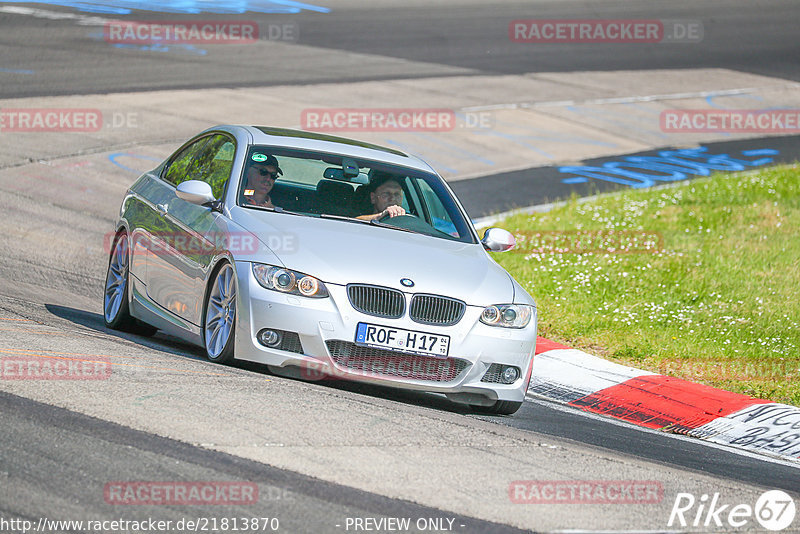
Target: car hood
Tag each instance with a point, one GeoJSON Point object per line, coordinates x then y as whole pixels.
{"type": "Point", "coordinates": [342, 252]}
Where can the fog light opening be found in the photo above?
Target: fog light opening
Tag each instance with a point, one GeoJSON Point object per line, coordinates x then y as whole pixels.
{"type": "Point", "coordinates": [269, 338]}
{"type": "Point", "coordinates": [510, 375]}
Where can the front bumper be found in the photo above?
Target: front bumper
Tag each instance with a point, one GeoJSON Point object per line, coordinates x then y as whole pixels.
{"type": "Point", "coordinates": [326, 329]}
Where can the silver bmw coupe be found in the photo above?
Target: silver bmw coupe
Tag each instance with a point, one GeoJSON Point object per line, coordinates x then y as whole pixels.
{"type": "Point", "coordinates": [321, 257]}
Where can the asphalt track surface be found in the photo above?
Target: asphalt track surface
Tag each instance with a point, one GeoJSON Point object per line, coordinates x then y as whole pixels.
{"type": "Point", "coordinates": [55, 438]}
{"type": "Point", "coordinates": [58, 57]}
{"type": "Point", "coordinates": [52, 456]}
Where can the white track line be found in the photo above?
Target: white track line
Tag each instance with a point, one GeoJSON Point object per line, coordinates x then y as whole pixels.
{"type": "Point", "coordinates": [83, 20]}
{"type": "Point", "coordinates": [630, 99]}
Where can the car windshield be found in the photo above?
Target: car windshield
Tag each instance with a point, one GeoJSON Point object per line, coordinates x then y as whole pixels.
{"type": "Point", "coordinates": [350, 190]}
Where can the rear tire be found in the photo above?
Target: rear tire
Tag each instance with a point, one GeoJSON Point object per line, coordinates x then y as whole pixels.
{"type": "Point", "coordinates": [116, 310]}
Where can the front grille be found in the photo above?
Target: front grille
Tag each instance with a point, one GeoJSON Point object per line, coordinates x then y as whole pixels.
{"type": "Point", "coordinates": [370, 361]}
{"type": "Point", "coordinates": [436, 310]}
{"type": "Point", "coordinates": [378, 301]}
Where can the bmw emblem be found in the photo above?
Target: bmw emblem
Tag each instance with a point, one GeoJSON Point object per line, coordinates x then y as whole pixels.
{"type": "Point", "coordinates": [407, 282]}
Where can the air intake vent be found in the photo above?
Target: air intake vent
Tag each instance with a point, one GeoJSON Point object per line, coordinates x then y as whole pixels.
{"type": "Point", "coordinates": [368, 361]}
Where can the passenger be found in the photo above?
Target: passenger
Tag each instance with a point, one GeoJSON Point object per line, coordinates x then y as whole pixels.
{"type": "Point", "coordinates": [386, 197]}
{"type": "Point", "coordinates": [259, 180]}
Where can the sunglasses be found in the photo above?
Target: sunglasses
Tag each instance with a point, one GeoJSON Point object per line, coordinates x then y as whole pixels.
{"type": "Point", "coordinates": [263, 171]}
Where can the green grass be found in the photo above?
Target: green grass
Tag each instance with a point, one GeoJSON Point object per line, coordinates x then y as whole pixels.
{"type": "Point", "coordinates": [716, 301]}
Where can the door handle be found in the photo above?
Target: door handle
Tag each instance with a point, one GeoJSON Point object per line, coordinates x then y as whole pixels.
{"type": "Point", "coordinates": [162, 209]}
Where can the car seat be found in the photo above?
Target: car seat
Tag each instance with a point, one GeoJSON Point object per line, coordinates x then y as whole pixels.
{"type": "Point", "coordinates": [334, 198]}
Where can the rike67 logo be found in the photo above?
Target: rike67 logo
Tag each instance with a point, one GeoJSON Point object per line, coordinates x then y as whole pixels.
{"type": "Point", "coordinates": [774, 510]}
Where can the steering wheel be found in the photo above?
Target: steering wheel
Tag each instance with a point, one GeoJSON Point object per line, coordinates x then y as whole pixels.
{"type": "Point", "coordinates": [387, 216]}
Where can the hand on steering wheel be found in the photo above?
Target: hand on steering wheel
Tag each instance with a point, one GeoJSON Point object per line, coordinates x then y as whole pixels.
{"type": "Point", "coordinates": [392, 211]}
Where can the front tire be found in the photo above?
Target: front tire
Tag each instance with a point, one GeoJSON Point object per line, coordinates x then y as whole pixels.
{"type": "Point", "coordinates": [220, 316]}
{"type": "Point", "coordinates": [506, 407]}
{"type": "Point", "coordinates": [116, 310]}
{"type": "Point", "coordinates": [500, 408]}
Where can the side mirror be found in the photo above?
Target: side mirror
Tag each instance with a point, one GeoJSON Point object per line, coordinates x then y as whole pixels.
{"type": "Point", "coordinates": [196, 192]}
{"type": "Point", "coordinates": [498, 240]}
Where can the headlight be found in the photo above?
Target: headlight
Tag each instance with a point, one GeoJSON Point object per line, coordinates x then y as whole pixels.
{"type": "Point", "coordinates": [507, 315]}
{"type": "Point", "coordinates": [288, 281]}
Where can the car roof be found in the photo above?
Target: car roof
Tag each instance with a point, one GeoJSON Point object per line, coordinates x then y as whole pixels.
{"type": "Point", "coordinates": [300, 139]}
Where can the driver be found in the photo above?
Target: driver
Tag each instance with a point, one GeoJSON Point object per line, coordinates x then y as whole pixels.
{"type": "Point", "coordinates": [260, 178]}
{"type": "Point", "coordinates": [386, 196]}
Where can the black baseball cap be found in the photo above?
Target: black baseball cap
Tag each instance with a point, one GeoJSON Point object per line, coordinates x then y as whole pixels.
{"type": "Point", "coordinates": [266, 159]}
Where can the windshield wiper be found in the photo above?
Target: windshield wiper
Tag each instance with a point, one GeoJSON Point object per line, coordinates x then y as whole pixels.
{"type": "Point", "coordinates": [376, 222]}
{"type": "Point", "coordinates": [278, 209]}
{"type": "Point", "coordinates": [341, 218]}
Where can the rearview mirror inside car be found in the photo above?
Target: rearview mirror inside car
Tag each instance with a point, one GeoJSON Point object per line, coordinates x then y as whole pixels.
{"type": "Point", "coordinates": [349, 167]}
{"type": "Point", "coordinates": [333, 173]}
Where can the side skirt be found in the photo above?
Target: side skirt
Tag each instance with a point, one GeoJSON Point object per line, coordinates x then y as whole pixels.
{"type": "Point", "coordinates": [151, 313]}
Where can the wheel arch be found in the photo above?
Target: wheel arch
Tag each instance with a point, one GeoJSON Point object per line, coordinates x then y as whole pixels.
{"type": "Point", "coordinates": [111, 238]}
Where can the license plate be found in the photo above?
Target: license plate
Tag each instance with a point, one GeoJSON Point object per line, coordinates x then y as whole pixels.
{"type": "Point", "coordinates": [399, 339]}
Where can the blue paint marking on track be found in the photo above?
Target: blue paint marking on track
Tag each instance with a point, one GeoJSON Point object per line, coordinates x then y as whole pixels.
{"type": "Point", "coordinates": [18, 71]}
{"type": "Point", "coordinates": [154, 47]}
{"type": "Point", "coordinates": [191, 7]}
{"type": "Point", "coordinates": [301, 6]}
{"type": "Point", "coordinates": [760, 152]}
{"type": "Point", "coordinates": [113, 159]}
{"type": "Point", "coordinates": [669, 166]}
{"type": "Point", "coordinates": [157, 47]}
{"type": "Point", "coordinates": [711, 99]}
